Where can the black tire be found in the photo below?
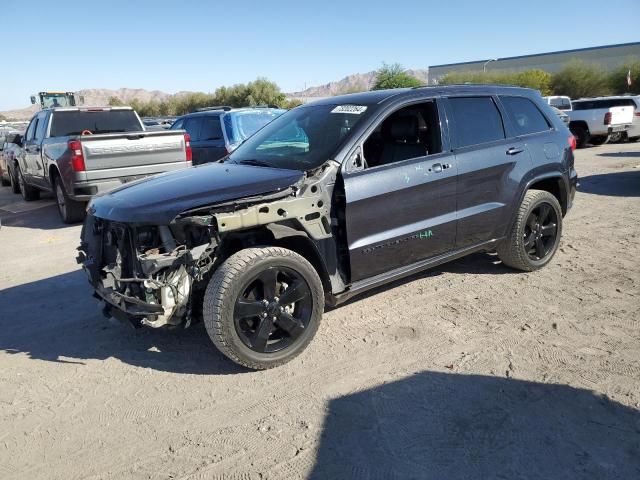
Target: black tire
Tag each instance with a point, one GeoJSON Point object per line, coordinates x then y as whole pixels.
{"type": "Point", "coordinates": [28, 192]}
{"type": "Point", "coordinates": [634, 139]}
{"type": "Point", "coordinates": [232, 280]}
{"type": "Point", "coordinates": [581, 134]}
{"type": "Point", "coordinates": [5, 182]}
{"type": "Point", "coordinates": [596, 141]}
{"type": "Point", "coordinates": [71, 211]}
{"type": "Point", "coordinates": [515, 250]}
{"type": "Point", "coordinates": [13, 179]}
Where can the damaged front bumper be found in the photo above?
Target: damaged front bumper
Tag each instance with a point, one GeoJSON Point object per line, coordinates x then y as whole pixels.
{"type": "Point", "coordinates": [151, 288]}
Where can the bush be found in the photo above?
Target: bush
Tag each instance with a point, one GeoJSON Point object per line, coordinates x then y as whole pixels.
{"type": "Point", "coordinates": [579, 79]}
{"type": "Point", "coordinates": [618, 78]}
{"type": "Point", "coordinates": [536, 79]}
{"type": "Point", "coordinates": [394, 76]}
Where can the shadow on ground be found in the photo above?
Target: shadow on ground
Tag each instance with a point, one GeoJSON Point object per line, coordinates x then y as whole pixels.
{"type": "Point", "coordinates": [447, 426]}
{"type": "Point", "coordinates": [621, 154]}
{"type": "Point", "coordinates": [57, 320]}
{"type": "Point", "coordinates": [616, 184]}
{"type": "Point", "coordinates": [44, 218]}
{"type": "Point", "coordinates": [482, 263]}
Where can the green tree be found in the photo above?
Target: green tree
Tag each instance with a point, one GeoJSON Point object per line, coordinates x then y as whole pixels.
{"type": "Point", "coordinates": [618, 78]}
{"type": "Point", "coordinates": [115, 102]}
{"type": "Point", "coordinates": [579, 79]}
{"type": "Point", "coordinates": [394, 76]}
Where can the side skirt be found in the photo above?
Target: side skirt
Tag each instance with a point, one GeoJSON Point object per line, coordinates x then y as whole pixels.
{"type": "Point", "coordinates": [398, 273]}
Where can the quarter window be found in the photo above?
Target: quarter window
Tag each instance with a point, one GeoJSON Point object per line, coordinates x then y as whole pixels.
{"type": "Point", "coordinates": [525, 115]}
{"type": "Point", "coordinates": [477, 120]}
{"type": "Point", "coordinates": [211, 128]}
{"type": "Point", "coordinates": [192, 126]}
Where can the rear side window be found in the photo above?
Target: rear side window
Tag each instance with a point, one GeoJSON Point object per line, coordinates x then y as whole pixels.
{"type": "Point", "coordinates": [101, 121]}
{"type": "Point", "coordinates": [210, 128]}
{"type": "Point", "coordinates": [525, 115]}
{"type": "Point", "coordinates": [31, 131]}
{"type": "Point", "coordinates": [192, 126]}
{"type": "Point", "coordinates": [41, 126]}
{"type": "Point", "coordinates": [477, 120]}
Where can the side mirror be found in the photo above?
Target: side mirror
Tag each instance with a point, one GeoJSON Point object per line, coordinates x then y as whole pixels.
{"type": "Point", "coordinates": [33, 100]}
{"type": "Point", "coordinates": [18, 140]}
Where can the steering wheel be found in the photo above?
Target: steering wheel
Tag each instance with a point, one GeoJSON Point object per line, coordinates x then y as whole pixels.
{"type": "Point", "coordinates": [86, 132]}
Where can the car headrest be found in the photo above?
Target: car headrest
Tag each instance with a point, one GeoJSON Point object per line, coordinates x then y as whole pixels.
{"type": "Point", "coordinates": [404, 129]}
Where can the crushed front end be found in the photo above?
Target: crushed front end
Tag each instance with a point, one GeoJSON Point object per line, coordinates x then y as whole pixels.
{"type": "Point", "coordinates": [142, 273]}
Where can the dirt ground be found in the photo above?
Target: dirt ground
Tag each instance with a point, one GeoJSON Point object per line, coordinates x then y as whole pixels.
{"type": "Point", "coordinates": [468, 371]}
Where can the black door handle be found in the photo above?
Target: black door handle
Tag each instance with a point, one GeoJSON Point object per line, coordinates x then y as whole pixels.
{"type": "Point", "coordinates": [514, 151]}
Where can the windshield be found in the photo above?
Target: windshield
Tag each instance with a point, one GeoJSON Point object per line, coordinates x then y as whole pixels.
{"type": "Point", "coordinates": [241, 125]}
{"type": "Point", "coordinates": [301, 139]}
{"type": "Point", "coordinates": [100, 121]}
{"type": "Point", "coordinates": [50, 100]}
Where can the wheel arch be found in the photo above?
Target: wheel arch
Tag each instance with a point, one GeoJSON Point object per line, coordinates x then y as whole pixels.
{"type": "Point", "coordinates": [277, 235]}
{"type": "Point", "coordinates": [579, 123]}
{"type": "Point", "coordinates": [555, 185]}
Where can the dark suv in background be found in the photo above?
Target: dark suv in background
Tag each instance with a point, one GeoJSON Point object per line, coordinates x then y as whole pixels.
{"type": "Point", "coordinates": [217, 131]}
{"type": "Point", "coordinates": [329, 200]}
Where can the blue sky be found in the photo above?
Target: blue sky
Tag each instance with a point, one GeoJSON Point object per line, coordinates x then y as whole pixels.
{"type": "Point", "coordinates": [201, 45]}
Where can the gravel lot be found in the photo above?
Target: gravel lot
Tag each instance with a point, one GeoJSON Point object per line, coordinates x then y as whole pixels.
{"type": "Point", "coordinates": [467, 371]}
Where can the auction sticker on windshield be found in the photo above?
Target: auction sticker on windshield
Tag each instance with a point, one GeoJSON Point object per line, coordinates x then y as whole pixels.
{"type": "Point", "coordinates": [355, 109]}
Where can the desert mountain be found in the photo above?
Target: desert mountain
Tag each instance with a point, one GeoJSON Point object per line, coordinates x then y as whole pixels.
{"type": "Point", "coordinates": [101, 96]}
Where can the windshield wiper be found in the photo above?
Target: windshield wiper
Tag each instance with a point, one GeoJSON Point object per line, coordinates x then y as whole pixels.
{"type": "Point", "coordinates": [252, 161]}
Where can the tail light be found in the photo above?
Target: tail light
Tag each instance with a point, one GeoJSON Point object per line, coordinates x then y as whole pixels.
{"type": "Point", "coordinates": [607, 118]}
{"type": "Point", "coordinates": [637, 114]}
{"type": "Point", "coordinates": [77, 158]}
{"type": "Point", "coordinates": [187, 147]}
{"type": "Point", "coordinates": [572, 142]}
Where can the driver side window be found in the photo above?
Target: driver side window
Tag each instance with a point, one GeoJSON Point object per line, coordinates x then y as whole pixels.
{"type": "Point", "coordinates": [31, 130]}
{"type": "Point", "coordinates": [411, 132]}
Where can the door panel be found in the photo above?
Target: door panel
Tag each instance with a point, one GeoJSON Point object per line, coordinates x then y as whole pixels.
{"type": "Point", "coordinates": [400, 213]}
{"type": "Point", "coordinates": [487, 180]}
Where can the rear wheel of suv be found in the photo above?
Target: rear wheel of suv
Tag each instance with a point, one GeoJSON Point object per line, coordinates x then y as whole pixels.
{"type": "Point", "coordinates": [535, 235]}
{"type": "Point", "coordinates": [71, 211]}
{"type": "Point", "coordinates": [28, 192]}
{"type": "Point", "coordinates": [263, 306]}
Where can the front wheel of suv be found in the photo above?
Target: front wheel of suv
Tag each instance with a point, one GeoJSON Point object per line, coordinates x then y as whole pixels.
{"type": "Point", "coordinates": [535, 235]}
{"type": "Point", "coordinates": [263, 306]}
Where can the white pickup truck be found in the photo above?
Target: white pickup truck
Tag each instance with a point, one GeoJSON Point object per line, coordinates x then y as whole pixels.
{"type": "Point", "coordinates": [79, 152]}
{"type": "Point", "coordinates": [598, 120]}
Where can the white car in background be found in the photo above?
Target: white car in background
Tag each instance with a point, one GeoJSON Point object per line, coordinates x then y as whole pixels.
{"type": "Point", "coordinates": [560, 102]}
{"type": "Point", "coordinates": [600, 120]}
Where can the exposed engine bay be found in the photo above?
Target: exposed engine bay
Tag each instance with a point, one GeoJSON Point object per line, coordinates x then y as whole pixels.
{"type": "Point", "coordinates": [154, 275]}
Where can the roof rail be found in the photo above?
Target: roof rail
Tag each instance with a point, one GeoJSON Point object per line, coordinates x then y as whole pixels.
{"type": "Point", "coordinates": [226, 108]}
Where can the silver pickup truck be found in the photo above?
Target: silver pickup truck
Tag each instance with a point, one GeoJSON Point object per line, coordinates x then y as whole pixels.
{"type": "Point", "coordinates": [79, 152]}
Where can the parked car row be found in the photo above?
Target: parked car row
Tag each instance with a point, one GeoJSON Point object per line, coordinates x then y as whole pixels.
{"type": "Point", "coordinates": [80, 152]}
{"type": "Point", "coordinates": [602, 119]}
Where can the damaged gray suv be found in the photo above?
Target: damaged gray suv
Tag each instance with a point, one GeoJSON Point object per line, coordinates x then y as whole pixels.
{"type": "Point", "coordinates": [327, 201]}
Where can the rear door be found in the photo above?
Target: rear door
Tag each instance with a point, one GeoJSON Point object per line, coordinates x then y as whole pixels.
{"type": "Point", "coordinates": [403, 211]}
{"type": "Point", "coordinates": [491, 161]}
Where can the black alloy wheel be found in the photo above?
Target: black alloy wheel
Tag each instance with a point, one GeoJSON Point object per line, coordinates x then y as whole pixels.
{"type": "Point", "coordinates": [273, 310]}
{"type": "Point", "coordinates": [540, 231]}
{"type": "Point", "coordinates": [263, 306]}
